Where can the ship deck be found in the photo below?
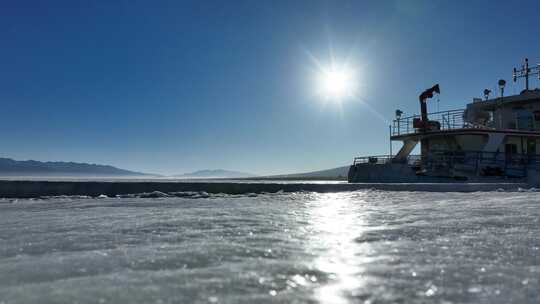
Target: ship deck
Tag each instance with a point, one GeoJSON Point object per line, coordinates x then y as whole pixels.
{"type": "Point", "coordinates": [451, 123]}
{"type": "Point", "coordinates": [463, 131]}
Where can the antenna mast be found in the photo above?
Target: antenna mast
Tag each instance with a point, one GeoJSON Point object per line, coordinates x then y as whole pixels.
{"type": "Point", "coordinates": [525, 71]}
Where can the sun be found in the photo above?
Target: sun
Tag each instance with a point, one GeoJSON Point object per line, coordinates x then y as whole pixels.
{"type": "Point", "coordinates": [337, 83]}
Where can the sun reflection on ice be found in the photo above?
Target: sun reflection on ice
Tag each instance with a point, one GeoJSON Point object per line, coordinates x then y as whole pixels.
{"type": "Point", "coordinates": [335, 226]}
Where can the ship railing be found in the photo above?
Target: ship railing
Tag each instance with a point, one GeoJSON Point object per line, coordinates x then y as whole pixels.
{"type": "Point", "coordinates": [385, 159]}
{"type": "Point", "coordinates": [482, 163]}
{"type": "Point", "coordinates": [448, 120]}
{"type": "Point", "coordinates": [474, 162]}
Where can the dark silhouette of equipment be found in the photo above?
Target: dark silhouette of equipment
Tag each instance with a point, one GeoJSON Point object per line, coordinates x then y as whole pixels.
{"type": "Point", "coordinates": [423, 123]}
{"type": "Point", "coordinates": [501, 84]}
{"type": "Point", "coordinates": [486, 93]}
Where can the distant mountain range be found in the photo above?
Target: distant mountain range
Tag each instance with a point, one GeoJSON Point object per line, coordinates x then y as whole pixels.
{"type": "Point", "coordinates": [10, 167]}
{"type": "Point", "coordinates": [339, 173]}
{"type": "Point", "coordinates": [217, 173]}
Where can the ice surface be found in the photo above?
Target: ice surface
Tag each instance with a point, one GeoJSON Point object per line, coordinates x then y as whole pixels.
{"type": "Point", "coordinates": [354, 247]}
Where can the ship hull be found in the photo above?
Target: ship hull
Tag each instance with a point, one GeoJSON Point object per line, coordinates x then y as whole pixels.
{"type": "Point", "coordinates": [405, 173]}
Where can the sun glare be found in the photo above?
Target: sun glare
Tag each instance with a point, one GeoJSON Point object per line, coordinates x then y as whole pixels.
{"type": "Point", "coordinates": [337, 83]}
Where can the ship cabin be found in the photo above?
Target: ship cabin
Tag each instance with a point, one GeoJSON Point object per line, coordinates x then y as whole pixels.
{"type": "Point", "coordinates": [490, 137]}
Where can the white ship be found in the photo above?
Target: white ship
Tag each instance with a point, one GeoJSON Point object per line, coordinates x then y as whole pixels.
{"type": "Point", "coordinates": [492, 139]}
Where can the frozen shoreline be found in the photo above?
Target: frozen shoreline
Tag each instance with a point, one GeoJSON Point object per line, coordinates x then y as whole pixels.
{"type": "Point", "coordinates": [347, 247]}
{"type": "Point", "coordinates": [38, 188]}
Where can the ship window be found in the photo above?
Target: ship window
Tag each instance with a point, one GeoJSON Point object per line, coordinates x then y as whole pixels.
{"type": "Point", "coordinates": [510, 148]}
{"type": "Point", "coordinates": [531, 146]}
{"type": "Point", "coordinates": [524, 119]}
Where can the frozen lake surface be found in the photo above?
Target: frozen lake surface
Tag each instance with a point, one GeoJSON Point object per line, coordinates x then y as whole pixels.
{"type": "Point", "coordinates": [349, 247]}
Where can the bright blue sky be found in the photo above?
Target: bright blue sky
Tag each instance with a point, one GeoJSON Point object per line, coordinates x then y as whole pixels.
{"type": "Point", "coordinates": [176, 86]}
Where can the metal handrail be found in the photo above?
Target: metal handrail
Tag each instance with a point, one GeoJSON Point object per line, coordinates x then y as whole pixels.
{"type": "Point", "coordinates": [475, 162]}
{"type": "Point", "coordinates": [448, 120]}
